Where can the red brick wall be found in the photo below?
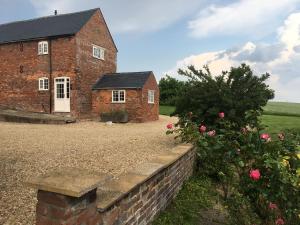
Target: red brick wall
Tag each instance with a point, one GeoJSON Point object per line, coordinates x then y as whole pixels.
{"type": "Point", "coordinates": [136, 104]}
{"type": "Point", "coordinates": [150, 112]}
{"type": "Point", "coordinates": [90, 69]}
{"type": "Point", "coordinates": [139, 205]}
{"type": "Point", "coordinates": [20, 90]}
{"type": "Point", "coordinates": [102, 102]}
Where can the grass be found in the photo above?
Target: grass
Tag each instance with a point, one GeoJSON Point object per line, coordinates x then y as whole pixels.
{"type": "Point", "coordinates": [166, 110]}
{"type": "Point", "coordinates": [195, 195]}
{"type": "Point", "coordinates": [276, 124]}
{"type": "Point", "coordinates": [200, 202]}
{"type": "Point", "coordinates": [278, 116]}
{"type": "Point", "coordinates": [282, 109]}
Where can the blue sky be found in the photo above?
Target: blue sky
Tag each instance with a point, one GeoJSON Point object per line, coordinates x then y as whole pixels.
{"type": "Point", "coordinates": [164, 35]}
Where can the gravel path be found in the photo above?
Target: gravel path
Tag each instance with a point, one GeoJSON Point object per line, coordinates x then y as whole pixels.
{"type": "Point", "coordinates": [28, 150]}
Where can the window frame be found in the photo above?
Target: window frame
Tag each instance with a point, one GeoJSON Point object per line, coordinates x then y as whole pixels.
{"type": "Point", "coordinates": [42, 85]}
{"type": "Point", "coordinates": [41, 48]}
{"type": "Point", "coordinates": [101, 52]}
{"type": "Point", "coordinates": [151, 96]}
{"type": "Point", "coordinates": [118, 101]}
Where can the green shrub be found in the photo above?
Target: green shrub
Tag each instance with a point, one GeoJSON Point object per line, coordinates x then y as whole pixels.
{"type": "Point", "coordinates": [169, 88]}
{"type": "Point", "coordinates": [115, 116]}
{"type": "Point", "coordinates": [250, 164]}
{"type": "Point", "coordinates": [234, 92]}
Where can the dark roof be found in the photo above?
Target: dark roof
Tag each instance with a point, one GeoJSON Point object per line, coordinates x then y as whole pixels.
{"type": "Point", "coordinates": [51, 26]}
{"type": "Point", "coordinates": [122, 80]}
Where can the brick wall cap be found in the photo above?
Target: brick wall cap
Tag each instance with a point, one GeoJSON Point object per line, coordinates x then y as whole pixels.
{"type": "Point", "coordinates": [114, 190]}
{"type": "Point", "coordinates": [69, 181]}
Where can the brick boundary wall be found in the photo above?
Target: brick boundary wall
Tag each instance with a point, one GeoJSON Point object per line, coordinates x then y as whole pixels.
{"type": "Point", "coordinates": [134, 198]}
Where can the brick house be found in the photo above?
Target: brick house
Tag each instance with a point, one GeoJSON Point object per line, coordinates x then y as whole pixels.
{"type": "Point", "coordinates": [54, 64]}
{"type": "Point", "coordinates": [135, 93]}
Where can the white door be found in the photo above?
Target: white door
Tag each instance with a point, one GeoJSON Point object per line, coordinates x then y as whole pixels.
{"type": "Point", "coordinates": [62, 94]}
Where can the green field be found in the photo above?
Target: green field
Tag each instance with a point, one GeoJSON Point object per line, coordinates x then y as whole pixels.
{"type": "Point", "coordinates": [282, 109]}
{"type": "Point", "coordinates": [278, 116]}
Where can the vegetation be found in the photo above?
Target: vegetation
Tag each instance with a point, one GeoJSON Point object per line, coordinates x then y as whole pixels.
{"type": "Point", "coordinates": [196, 194]}
{"type": "Point", "coordinates": [234, 93]}
{"type": "Point", "coordinates": [275, 124]}
{"type": "Point", "coordinates": [282, 109]}
{"type": "Point", "coordinates": [119, 116]}
{"type": "Point", "coordinates": [200, 203]}
{"type": "Point", "coordinates": [259, 175]}
{"type": "Point", "coordinates": [166, 110]}
{"type": "Point", "coordinates": [170, 88]}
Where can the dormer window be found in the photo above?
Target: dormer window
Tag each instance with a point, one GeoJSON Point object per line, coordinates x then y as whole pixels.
{"type": "Point", "coordinates": [43, 48]}
{"type": "Point", "coordinates": [98, 52]}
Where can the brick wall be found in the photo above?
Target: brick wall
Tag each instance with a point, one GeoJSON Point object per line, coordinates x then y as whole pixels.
{"type": "Point", "coordinates": [57, 209]}
{"type": "Point", "coordinates": [133, 199]}
{"type": "Point", "coordinates": [102, 102]}
{"type": "Point", "coordinates": [150, 112]}
{"type": "Point", "coordinates": [144, 202]}
{"type": "Point", "coordinates": [19, 89]}
{"type": "Point", "coordinates": [90, 69]}
{"type": "Point", "coordinates": [137, 106]}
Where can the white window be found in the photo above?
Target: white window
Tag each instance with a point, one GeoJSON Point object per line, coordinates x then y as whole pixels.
{"type": "Point", "coordinates": [43, 84]}
{"type": "Point", "coordinates": [98, 52]}
{"type": "Point", "coordinates": [118, 96]}
{"type": "Point", "coordinates": [43, 48]}
{"type": "Point", "coordinates": [151, 96]}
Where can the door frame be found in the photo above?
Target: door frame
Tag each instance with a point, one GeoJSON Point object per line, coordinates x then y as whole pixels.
{"type": "Point", "coordinates": [67, 94]}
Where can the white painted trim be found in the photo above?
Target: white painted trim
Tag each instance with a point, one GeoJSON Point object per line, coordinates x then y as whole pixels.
{"type": "Point", "coordinates": [101, 51]}
{"type": "Point", "coordinates": [112, 96]}
{"type": "Point", "coordinates": [151, 91]}
{"type": "Point", "coordinates": [42, 87]}
{"type": "Point", "coordinates": [62, 104]}
{"type": "Point", "coordinates": [42, 50]}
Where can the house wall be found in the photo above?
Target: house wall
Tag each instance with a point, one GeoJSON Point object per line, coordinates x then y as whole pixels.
{"type": "Point", "coordinates": [102, 102]}
{"type": "Point", "coordinates": [136, 102]}
{"type": "Point", "coordinates": [90, 69]}
{"type": "Point", "coordinates": [150, 112]}
{"type": "Point", "coordinates": [20, 90]}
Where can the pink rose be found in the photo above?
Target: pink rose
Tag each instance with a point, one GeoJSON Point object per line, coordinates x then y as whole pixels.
{"type": "Point", "coordinates": [202, 128]}
{"type": "Point", "coordinates": [170, 126]}
{"type": "Point", "coordinates": [265, 137]}
{"type": "Point", "coordinates": [254, 174]}
{"type": "Point", "coordinates": [281, 136]}
{"type": "Point", "coordinates": [244, 130]}
{"type": "Point", "coordinates": [279, 221]}
{"type": "Point", "coordinates": [211, 133]}
{"type": "Point", "coordinates": [221, 114]}
{"type": "Point", "coordinates": [272, 206]}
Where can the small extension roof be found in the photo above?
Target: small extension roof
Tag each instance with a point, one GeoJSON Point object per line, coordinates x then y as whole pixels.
{"type": "Point", "coordinates": [51, 26]}
{"type": "Point", "coordinates": [122, 80]}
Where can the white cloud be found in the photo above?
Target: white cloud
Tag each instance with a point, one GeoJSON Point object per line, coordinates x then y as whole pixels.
{"type": "Point", "coordinates": [127, 15]}
{"type": "Point", "coordinates": [280, 59]}
{"type": "Point", "coordinates": [244, 17]}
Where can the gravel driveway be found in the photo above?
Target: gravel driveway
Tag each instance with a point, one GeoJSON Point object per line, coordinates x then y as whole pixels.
{"type": "Point", "coordinates": [28, 150]}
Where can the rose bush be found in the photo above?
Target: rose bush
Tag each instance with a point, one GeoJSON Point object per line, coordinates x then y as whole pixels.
{"type": "Point", "coordinates": [248, 162]}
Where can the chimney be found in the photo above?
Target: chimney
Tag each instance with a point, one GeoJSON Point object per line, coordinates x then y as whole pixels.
{"type": "Point", "coordinates": [55, 12]}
